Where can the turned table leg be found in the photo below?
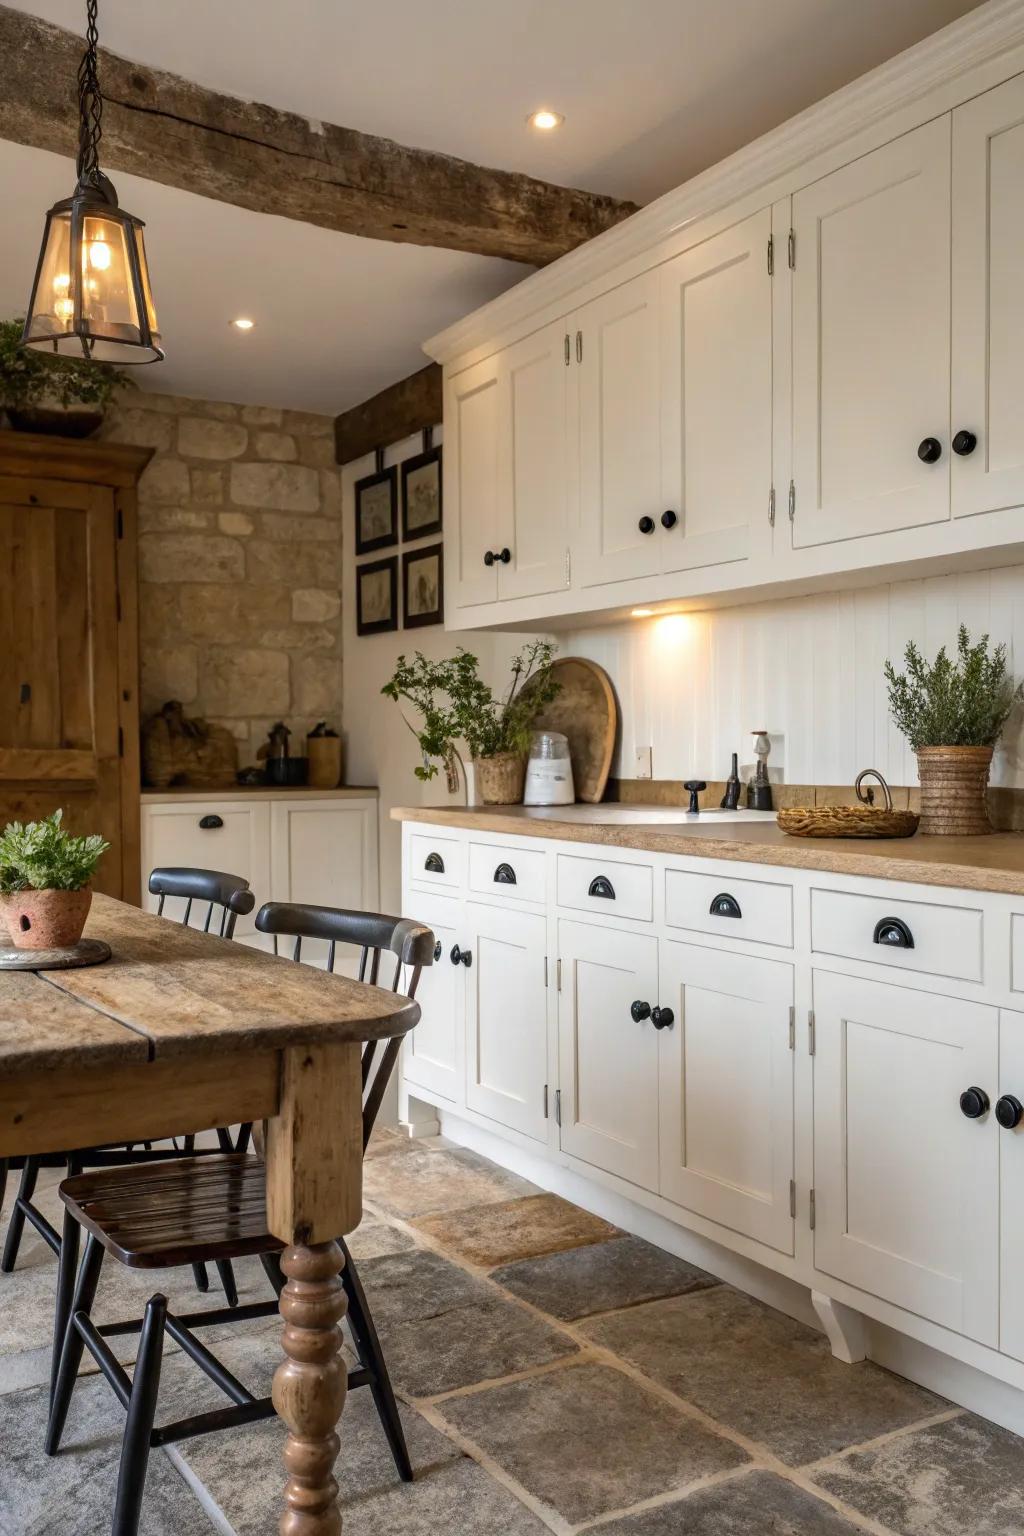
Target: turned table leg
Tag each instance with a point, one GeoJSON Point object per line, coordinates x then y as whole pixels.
{"type": "Point", "coordinates": [310, 1387]}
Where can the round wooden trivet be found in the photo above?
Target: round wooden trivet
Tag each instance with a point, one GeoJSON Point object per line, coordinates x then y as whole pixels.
{"type": "Point", "coordinates": [85, 952]}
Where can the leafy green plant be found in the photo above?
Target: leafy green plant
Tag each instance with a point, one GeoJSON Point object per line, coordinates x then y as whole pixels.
{"type": "Point", "coordinates": [953, 703]}
{"type": "Point", "coordinates": [457, 705]}
{"type": "Point", "coordinates": [43, 857]}
{"type": "Point", "coordinates": [29, 378]}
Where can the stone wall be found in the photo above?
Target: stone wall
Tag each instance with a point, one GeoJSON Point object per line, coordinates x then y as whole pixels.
{"type": "Point", "coordinates": [239, 563]}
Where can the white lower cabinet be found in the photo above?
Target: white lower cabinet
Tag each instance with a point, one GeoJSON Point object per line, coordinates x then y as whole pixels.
{"type": "Point", "coordinates": [608, 1061]}
{"type": "Point", "coordinates": [207, 834]}
{"type": "Point", "coordinates": [432, 1055]}
{"type": "Point", "coordinates": [1011, 1183]}
{"type": "Point", "coordinates": [726, 1090]}
{"type": "Point", "coordinates": [906, 1185]}
{"type": "Point", "coordinates": [506, 1017]}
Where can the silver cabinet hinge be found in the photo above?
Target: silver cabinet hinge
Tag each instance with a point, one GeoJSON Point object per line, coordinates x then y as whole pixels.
{"type": "Point", "coordinates": [812, 1211]}
{"type": "Point", "coordinates": [558, 1106]}
{"type": "Point", "coordinates": [558, 974]}
{"type": "Point", "coordinates": [568, 567]}
{"type": "Point", "coordinates": [792, 500]}
{"type": "Point", "coordinates": [567, 353]}
{"type": "Point", "coordinates": [579, 346]}
{"type": "Point", "coordinates": [791, 249]}
{"type": "Point", "coordinates": [792, 1028]}
{"type": "Point", "coordinates": [792, 1197]}
{"type": "Point", "coordinates": [811, 1041]}
{"type": "Point", "coordinates": [545, 1101]}
{"type": "Point", "coordinates": [771, 255]}
{"type": "Point", "coordinates": [545, 981]}
{"type": "Point", "coordinates": [771, 507]}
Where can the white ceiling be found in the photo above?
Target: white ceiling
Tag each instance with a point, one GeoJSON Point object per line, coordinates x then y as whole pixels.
{"type": "Point", "coordinates": [652, 91]}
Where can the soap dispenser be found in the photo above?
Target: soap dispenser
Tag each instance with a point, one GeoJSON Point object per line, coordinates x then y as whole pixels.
{"type": "Point", "coordinates": [759, 790]}
{"type": "Point", "coordinates": [731, 798]}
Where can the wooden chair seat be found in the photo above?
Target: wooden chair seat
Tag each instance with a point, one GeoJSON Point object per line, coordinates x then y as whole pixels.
{"type": "Point", "coordinates": [184, 1211]}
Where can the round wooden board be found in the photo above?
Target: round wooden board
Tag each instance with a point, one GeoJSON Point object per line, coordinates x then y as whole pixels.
{"type": "Point", "coordinates": [85, 952]}
{"type": "Point", "coordinates": [587, 712]}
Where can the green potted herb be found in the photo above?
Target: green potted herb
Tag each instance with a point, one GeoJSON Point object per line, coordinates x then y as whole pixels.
{"type": "Point", "coordinates": [456, 705]}
{"type": "Point", "coordinates": [953, 712]}
{"type": "Point", "coordinates": [44, 882]}
{"type": "Point", "coordinates": [65, 396]}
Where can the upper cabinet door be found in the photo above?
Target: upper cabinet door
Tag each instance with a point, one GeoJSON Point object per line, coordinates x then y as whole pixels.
{"type": "Point", "coordinates": [871, 295]}
{"type": "Point", "coordinates": [533, 461]}
{"type": "Point", "coordinates": [473, 430]}
{"type": "Point", "coordinates": [716, 305]}
{"type": "Point", "coordinates": [988, 301]}
{"type": "Point", "coordinates": [616, 359]}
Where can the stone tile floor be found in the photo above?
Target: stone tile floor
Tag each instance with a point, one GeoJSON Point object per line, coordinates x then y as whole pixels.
{"type": "Point", "coordinates": [555, 1375]}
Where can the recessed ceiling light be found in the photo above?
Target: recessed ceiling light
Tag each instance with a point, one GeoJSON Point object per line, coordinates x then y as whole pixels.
{"type": "Point", "coordinates": [545, 119]}
{"type": "Point", "coordinates": [243, 323]}
{"type": "Point", "coordinates": [642, 613]}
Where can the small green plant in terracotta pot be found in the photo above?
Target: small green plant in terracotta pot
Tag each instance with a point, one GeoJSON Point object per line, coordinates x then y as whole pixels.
{"type": "Point", "coordinates": [952, 711]}
{"type": "Point", "coordinates": [45, 872]}
{"type": "Point", "coordinates": [64, 396]}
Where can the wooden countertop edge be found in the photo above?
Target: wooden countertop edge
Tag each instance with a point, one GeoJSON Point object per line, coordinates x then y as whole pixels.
{"type": "Point", "coordinates": [881, 861]}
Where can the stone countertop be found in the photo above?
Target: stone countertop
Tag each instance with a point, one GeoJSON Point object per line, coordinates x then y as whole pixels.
{"type": "Point", "coordinates": [186, 794]}
{"type": "Point", "coordinates": [993, 863]}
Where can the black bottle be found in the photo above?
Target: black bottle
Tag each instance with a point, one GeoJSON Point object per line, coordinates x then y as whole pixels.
{"type": "Point", "coordinates": [731, 798]}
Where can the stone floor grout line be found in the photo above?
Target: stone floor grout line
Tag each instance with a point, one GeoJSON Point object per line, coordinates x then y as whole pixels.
{"type": "Point", "coordinates": [668, 1497]}
{"type": "Point", "coordinates": [855, 1517]}
{"type": "Point", "coordinates": [476, 1387]}
{"type": "Point", "coordinates": [944, 1417]}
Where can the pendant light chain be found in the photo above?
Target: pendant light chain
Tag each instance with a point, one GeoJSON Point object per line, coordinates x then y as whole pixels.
{"type": "Point", "coordinates": [90, 102]}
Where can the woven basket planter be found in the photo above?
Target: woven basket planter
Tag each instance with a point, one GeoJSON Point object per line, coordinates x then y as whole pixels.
{"type": "Point", "coordinates": [954, 788]}
{"type": "Point", "coordinates": [500, 779]}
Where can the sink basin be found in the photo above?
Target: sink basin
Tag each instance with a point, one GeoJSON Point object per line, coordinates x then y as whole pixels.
{"type": "Point", "coordinates": [641, 815]}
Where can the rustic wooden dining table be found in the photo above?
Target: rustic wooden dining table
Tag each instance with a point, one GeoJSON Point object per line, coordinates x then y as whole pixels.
{"type": "Point", "coordinates": [181, 1031]}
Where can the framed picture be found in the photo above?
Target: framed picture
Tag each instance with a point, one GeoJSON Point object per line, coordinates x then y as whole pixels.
{"type": "Point", "coordinates": [377, 596]}
{"type": "Point", "coordinates": [423, 586]}
{"type": "Point", "coordinates": [377, 511]}
{"type": "Point", "coordinates": [421, 494]}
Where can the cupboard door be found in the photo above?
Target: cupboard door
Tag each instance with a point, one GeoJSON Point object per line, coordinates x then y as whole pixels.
{"type": "Point", "coordinates": [988, 302]}
{"type": "Point", "coordinates": [716, 304]}
{"type": "Point", "coordinates": [432, 1054]}
{"type": "Point", "coordinates": [618, 379]}
{"type": "Point", "coordinates": [907, 1187]}
{"type": "Point", "coordinates": [472, 427]}
{"type": "Point", "coordinates": [608, 1063]}
{"type": "Point", "coordinates": [726, 1085]}
{"type": "Point", "coordinates": [533, 523]}
{"type": "Point", "coordinates": [1011, 1185]}
{"type": "Point", "coordinates": [871, 294]}
{"type": "Point", "coordinates": [324, 852]}
{"type": "Point", "coordinates": [174, 835]}
{"type": "Point", "coordinates": [506, 1018]}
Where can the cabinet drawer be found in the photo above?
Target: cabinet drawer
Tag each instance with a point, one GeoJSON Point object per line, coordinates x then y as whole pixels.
{"type": "Point", "coordinates": [943, 940]}
{"type": "Point", "coordinates": [436, 860]}
{"type": "Point", "coordinates": [497, 869]}
{"type": "Point", "coordinates": [593, 885]}
{"type": "Point", "coordinates": [735, 909]}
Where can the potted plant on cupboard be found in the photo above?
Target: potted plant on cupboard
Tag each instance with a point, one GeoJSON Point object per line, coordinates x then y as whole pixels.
{"type": "Point", "coordinates": [45, 872]}
{"type": "Point", "coordinates": [456, 705]}
{"type": "Point", "coordinates": [61, 396]}
{"type": "Point", "coordinates": [952, 712]}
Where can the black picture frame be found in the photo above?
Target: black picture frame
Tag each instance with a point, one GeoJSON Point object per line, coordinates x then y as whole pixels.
{"type": "Point", "coordinates": [422, 617]}
{"type": "Point", "coordinates": [431, 459]}
{"type": "Point", "coordinates": [376, 538]}
{"type": "Point", "coordinates": [377, 626]}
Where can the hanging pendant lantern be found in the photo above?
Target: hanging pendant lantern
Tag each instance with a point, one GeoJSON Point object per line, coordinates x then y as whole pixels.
{"type": "Point", "coordinates": [91, 296]}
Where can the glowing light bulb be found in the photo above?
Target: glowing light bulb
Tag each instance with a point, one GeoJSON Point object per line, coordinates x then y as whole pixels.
{"type": "Point", "coordinates": [243, 323]}
{"type": "Point", "coordinates": [545, 119]}
{"type": "Point", "coordinates": [99, 255]}
{"type": "Point", "coordinates": [62, 282]}
{"type": "Point", "coordinates": [64, 309]}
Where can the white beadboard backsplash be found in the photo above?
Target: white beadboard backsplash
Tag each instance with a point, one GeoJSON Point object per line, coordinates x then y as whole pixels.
{"type": "Point", "coordinates": [808, 670]}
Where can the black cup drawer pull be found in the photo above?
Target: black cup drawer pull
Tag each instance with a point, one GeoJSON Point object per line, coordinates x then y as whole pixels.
{"type": "Point", "coordinates": [434, 863]}
{"type": "Point", "coordinates": [725, 905]}
{"type": "Point", "coordinates": [601, 886]}
{"type": "Point", "coordinates": [504, 875]}
{"type": "Point", "coordinates": [210, 823]}
{"type": "Point", "coordinates": [893, 932]}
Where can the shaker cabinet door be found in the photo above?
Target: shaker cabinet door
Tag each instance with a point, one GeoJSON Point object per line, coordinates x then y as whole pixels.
{"type": "Point", "coordinates": [506, 1018]}
{"type": "Point", "coordinates": [533, 522]}
{"type": "Point", "coordinates": [871, 358]}
{"type": "Point", "coordinates": [432, 1052]}
{"type": "Point", "coordinates": [472, 481]}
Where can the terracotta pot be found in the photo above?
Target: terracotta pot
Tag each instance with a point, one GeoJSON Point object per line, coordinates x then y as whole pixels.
{"type": "Point", "coordinates": [500, 779]}
{"type": "Point", "coordinates": [954, 786]}
{"type": "Point", "coordinates": [46, 919]}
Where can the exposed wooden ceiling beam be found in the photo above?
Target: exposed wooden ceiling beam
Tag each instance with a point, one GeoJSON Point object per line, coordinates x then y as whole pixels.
{"type": "Point", "coordinates": [411, 405]}
{"type": "Point", "coordinates": [166, 129]}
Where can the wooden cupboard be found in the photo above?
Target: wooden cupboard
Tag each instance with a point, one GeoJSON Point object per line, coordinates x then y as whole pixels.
{"type": "Point", "coordinates": [69, 724]}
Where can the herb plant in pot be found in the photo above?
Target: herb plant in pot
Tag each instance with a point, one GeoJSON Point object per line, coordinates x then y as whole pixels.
{"type": "Point", "coordinates": [953, 712]}
{"type": "Point", "coordinates": [45, 894]}
{"type": "Point", "coordinates": [63, 396]}
{"type": "Point", "coordinates": [456, 706]}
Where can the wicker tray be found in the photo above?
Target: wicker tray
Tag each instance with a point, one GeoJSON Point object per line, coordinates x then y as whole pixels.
{"type": "Point", "coordinates": [847, 821]}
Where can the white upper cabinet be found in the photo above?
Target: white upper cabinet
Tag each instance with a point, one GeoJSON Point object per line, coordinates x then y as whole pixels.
{"type": "Point", "coordinates": [871, 346]}
{"type": "Point", "coordinates": [716, 396]}
{"type": "Point", "coordinates": [473, 434]}
{"type": "Point", "coordinates": [533, 479]}
{"type": "Point", "coordinates": [616, 358]}
{"type": "Point", "coordinates": [988, 301]}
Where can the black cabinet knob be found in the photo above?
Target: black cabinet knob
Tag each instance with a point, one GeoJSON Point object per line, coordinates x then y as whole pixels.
{"type": "Point", "coordinates": [669, 519]}
{"type": "Point", "coordinates": [210, 823]}
{"type": "Point", "coordinates": [504, 555]}
{"type": "Point", "coordinates": [974, 1103]}
{"type": "Point", "coordinates": [437, 950]}
{"type": "Point", "coordinates": [694, 786]}
{"type": "Point", "coordinates": [929, 450]}
{"type": "Point", "coordinates": [640, 1011]}
{"type": "Point", "coordinates": [894, 933]}
{"type": "Point", "coordinates": [662, 1018]}
{"type": "Point", "coordinates": [461, 956]}
{"type": "Point", "coordinates": [489, 557]}
{"type": "Point", "coordinates": [1009, 1111]}
{"type": "Point", "coordinates": [646, 525]}
{"type": "Point", "coordinates": [724, 905]}
{"type": "Point", "coordinates": [964, 443]}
